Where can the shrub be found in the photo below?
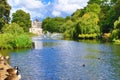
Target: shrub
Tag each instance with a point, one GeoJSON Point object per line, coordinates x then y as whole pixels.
{"type": "Point", "coordinates": [22, 41]}
{"type": "Point", "coordinates": [88, 36]}
{"type": "Point", "coordinates": [6, 41]}
{"type": "Point", "coordinates": [10, 41]}
{"type": "Point", "coordinates": [12, 28]}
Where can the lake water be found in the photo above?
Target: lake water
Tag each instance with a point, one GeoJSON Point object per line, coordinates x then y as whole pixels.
{"type": "Point", "coordinates": [68, 60]}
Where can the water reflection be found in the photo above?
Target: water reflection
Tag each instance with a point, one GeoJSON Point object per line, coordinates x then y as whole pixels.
{"type": "Point", "coordinates": [63, 60]}
{"type": "Point", "coordinates": [38, 45]}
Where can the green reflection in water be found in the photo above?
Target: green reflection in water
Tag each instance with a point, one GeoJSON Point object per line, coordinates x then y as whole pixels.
{"type": "Point", "coordinates": [5, 52]}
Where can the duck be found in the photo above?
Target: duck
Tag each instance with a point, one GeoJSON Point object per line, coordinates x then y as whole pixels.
{"type": "Point", "coordinates": [16, 67]}
{"type": "Point", "coordinates": [18, 74]}
{"type": "Point", "coordinates": [83, 65]}
{"type": "Point", "coordinates": [13, 74]}
{"type": "Point", "coordinates": [2, 68]}
{"type": "Point", "coordinates": [11, 71]}
{"type": "Point", "coordinates": [12, 77]}
{"type": "Point", "coordinates": [1, 58]}
{"type": "Point", "coordinates": [6, 57]}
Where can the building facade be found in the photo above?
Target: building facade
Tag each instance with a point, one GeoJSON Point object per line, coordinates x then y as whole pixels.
{"type": "Point", "coordinates": [36, 28]}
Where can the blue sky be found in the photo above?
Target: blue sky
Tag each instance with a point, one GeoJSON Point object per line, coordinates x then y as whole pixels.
{"type": "Point", "coordinates": [44, 8]}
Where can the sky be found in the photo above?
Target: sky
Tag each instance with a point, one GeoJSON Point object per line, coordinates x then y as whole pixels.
{"type": "Point", "coordinates": [43, 8]}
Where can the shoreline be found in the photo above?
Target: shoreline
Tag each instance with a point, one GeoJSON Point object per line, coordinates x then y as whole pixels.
{"type": "Point", "coordinates": [4, 67]}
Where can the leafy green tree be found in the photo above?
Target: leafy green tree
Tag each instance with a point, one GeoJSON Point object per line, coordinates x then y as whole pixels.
{"type": "Point", "coordinates": [112, 14]}
{"type": "Point", "coordinates": [52, 24]}
{"type": "Point", "coordinates": [12, 28]}
{"type": "Point", "coordinates": [93, 8]}
{"type": "Point", "coordinates": [22, 18]}
{"type": "Point", "coordinates": [88, 24]}
{"type": "Point", "coordinates": [100, 2]}
{"type": "Point", "coordinates": [4, 12]}
{"type": "Point", "coordinates": [116, 30]}
{"type": "Point", "coordinates": [66, 26]}
{"type": "Point", "coordinates": [77, 14]}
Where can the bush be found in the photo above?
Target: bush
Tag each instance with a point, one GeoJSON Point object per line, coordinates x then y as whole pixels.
{"type": "Point", "coordinates": [22, 41]}
{"type": "Point", "coordinates": [6, 41]}
{"type": "Point", "coordinates": [88, 36]}
{"type": "Point", "coordinates": [13, 37]}
{"type": "Point", "coordinates": [12, 28]}
{"type": "Point", "coordinates": [10, 41]}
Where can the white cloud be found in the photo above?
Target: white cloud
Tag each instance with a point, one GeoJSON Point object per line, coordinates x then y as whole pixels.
{"type": "Point", "coordinates": [69, 6]}
{"type": "Point", "coordinates": [29, 4]}
{"type": "Point", "coordinates": [56, 13]}
{"type": "Point", "coordinates": [42, 9]}
{"type": "Point", "coordinates": [34, 7]}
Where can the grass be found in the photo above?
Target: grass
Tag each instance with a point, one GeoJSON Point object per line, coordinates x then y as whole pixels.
{"type": "Point", "coordinates": [10, 41]}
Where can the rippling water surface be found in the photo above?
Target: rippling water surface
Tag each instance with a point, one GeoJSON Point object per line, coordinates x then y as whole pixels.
{"type": "Point", "coordinates": [68, 60]}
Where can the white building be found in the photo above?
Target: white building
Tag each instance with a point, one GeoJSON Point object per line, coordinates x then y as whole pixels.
{"type": "Point", "coordinates": [36, 28]}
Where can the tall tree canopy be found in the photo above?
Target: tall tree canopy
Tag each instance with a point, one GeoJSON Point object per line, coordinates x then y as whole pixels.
{"type": "Point", "coordinates": [23, 19]}
{"type": "Point", "coordinates": [52, 24]}
{"type": "Point", "coordinates": [88, 24]}
{"type": "Point", "coordinates": [4, 12]}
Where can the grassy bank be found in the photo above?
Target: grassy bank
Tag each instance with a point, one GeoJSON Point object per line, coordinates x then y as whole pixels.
{"type": "Point", "coordinates": [11, 41]}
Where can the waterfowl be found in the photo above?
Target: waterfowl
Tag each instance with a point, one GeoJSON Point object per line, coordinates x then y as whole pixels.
{"type": "Point", "coordinates": [98, 58]}
{"type": "Point", "coordinates": [83, 65]}
{"type": "Point", "coordinates": [18, 75]}
{"type": "Point", "coordinates": [1, 58]}
{"type": "Point", "coordinates": [2, 68]}
{"type": "Point", "coordinates": [16, 67]}
{"type": "Point", "coordinates": [12, 71]}
{"type": "Point", "coordinates": [6, 57]}
{"type": "Point", "coordinates": [12, 77]}
{"type": "Point", "coordinates": [13, 74]}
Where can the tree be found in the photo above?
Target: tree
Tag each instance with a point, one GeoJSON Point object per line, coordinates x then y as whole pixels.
{"type": "Point", "coordinates": [12, 28]}
{"type": "Point", "coordinates": [88, 24]}
{"type": "Point", "coordinates": [53, 24]}
{"type": "Point", "coordinates": [100, 2]}
{"type": "Point", "coordinates": [4, 12]}
{"type": "Point", "coordinates": [112, 14]}
{"type": "Point", "coordinates": [116, 30]}
{"type": "Point", "coordinates": [22, 18]}
{"type": "Point", "coordinates": [93, 8]}
{"type": "Point", "coordinates": [77, 14]}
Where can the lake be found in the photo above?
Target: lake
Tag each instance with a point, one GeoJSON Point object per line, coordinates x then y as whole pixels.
{"type": "Point", "coordinates": [67, 60]}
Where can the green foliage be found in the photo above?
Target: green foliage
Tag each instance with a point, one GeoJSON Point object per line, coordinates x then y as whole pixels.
{"type": "Point", "coordinates": [116, 32]}
{"type": "Point", "coordinates": [93, 8]}
{"type": "Point", "coordinates": [22, 41]}
{"type": "Point", "coordinates": [6, 41]}
{"type": "Point", "coordinates": [66, 26]}
{"type": "Point", "coordinates": [114, 35]}
{"type": "Point", "coordinates": [52, 24]}
{"type": "Point", "coordinates": [10, 41]}
{"type": "Point", "coordinates": [69, 33]}
{"type": "Point", "coordinates": [111, 12]}
{"type": "Point", "coordinates": [88, 24]}
{"type": "Point", "coordinates": [117, 24]}
{"type": "Point", "coordinates": [77, 14]}
{"type": "Point", "coordinates": [100, 2]}
{"type": "Point", "coordinates": [23, 19]}
{"type": "Point", "coordinates": [12, 28]}
{"type": "Point", "coordinates": [4, 12]}
{"type": "Point", "coordinates": [88, 36]}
